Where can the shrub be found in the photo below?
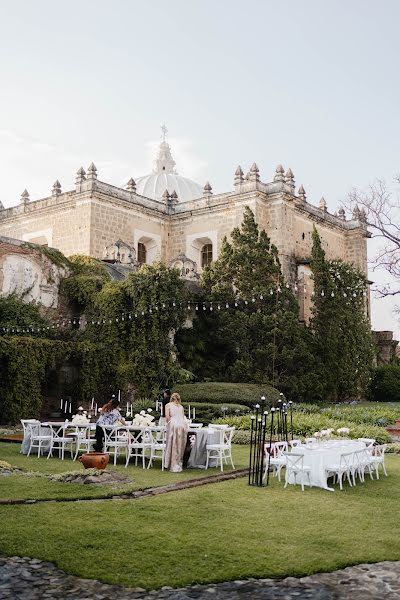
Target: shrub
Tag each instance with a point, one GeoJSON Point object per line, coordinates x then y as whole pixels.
{"type": "Point", "coordinates": [207, 412]}
{"type": "Point", "coordinates": [241, 437]}
{"type": "Point", "coordinates": [393, 448]}
{"type": "Point", "coordinates": [385, 385]}
{"type": "Point", "coordinates": [222, 393]}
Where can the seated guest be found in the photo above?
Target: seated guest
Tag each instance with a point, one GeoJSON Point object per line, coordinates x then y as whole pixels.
{"type": "Point", "coordinates": [109, 416]}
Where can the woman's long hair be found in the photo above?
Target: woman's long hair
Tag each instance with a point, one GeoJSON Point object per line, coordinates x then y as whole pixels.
{"type": "Point", "coordinates": [175, 398]}
{"type": "Point", "coordinates": [114, 402]}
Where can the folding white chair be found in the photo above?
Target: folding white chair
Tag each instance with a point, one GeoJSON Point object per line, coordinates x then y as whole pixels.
{"type": "Point", "coordinates": [295, 466]}
{"type": "Point", "coordinates": [345, 468]}
{"type": "Point", "coordinates": [83, 440]}
{"type": "Point", "coordinates": [310, 441]}
{"type": "Point", "coordinates": [362, 462]}
{"type": "Point", "coordinates": [223, 450]}
{"type": "Point", "coordinates": [378, 458]}
{"type": "Point", "coordinates": [116, 437]}
{"type": "Point", "coordinates": [60, 440]}
{"type": "Point", "coordinates": [24, 423]}
{"type": "Point", "coordinates": [139, 440]}
{"type": "Point", "coordinates": [40, 437]}
{"type": "Point", "coordinates": [158, 444]}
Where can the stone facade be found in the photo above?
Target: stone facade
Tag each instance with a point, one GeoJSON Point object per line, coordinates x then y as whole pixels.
{"type": "Point", "coordinates": [95, 214]}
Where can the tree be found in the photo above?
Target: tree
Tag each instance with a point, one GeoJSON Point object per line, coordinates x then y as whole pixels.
{"type": "Point", "coordinates": [253, 329]}
{"type": "Point", "coordinates": [341, 332]}
{"type": "Point", "coordinates": [379, 208]}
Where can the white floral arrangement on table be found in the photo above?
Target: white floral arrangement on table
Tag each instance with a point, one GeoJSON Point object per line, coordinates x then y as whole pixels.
{"type": "Point", "coordinates": [80, 419]}
{"type": "Point", "coordinates": [343, 431]}
{"type": "Point", "coordinates": [143, 419]}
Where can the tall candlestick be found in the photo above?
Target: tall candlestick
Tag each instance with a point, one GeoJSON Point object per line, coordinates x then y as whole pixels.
{"type": "Point", "coordinates": [194, 413]}
{"type": "Point", "coordinates": [70, 408]}
{"type": "Point", "coordinates": [119, 395]}
{"type": "Point", "coordinates": [65, 407]}
{"type": "Point", "coordinates": [61, 403]}
{"type": "Point", "coordinates": [189, 412]}
{"type": "Point", "coordinates": [91, 407]}
{"type": "Point", "coordinates": [95, 410]}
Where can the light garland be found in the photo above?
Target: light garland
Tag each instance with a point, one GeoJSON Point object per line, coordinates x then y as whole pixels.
{"type": "Point", "coordinates": [190, 305]}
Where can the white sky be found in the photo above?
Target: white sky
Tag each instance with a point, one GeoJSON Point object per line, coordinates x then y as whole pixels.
{"type": "Point", "coordinates": [309, 84]}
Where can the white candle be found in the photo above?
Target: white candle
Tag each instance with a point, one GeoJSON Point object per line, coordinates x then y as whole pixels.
{"type": "Point", "coordinates": [91, 407]}
{"type": "Point", "coordinates": [189, 412]}
{"type": "Point", "coordinates": [65, 406]}
{"type": "Point", "coordinates": [70, 408]}
{"type": "Point", "coordinates": [119, 395]}
{"type": "Point", "coordinates": [194, 413]}
{"type": "Point", "coordinates": [61, 403]}
{"type": "Point", "coordinates": [95, 410]}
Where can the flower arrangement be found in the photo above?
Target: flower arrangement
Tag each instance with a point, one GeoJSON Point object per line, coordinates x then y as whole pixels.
{"type": "Point", "coordinates": [343, 431]}
{"type": "Point", "coordinates": [143, 419]}
{"type": "Point", "coordinates": [80, 419]}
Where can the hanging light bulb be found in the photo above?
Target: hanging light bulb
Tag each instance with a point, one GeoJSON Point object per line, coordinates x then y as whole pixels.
{"type": "Point", "coordinates": [130, 316]}
{"type": "Point", "coordinates": [322, 293]}
{"type": "Point", "coordinates": [344, 295]}
{"type": "Point", "coordinates": [279, 290]}
{"type": "Point", "coordinates": [261, 297]}
{"type": "Point", "coordinates": [287, 284]}
{"type": "Point", "coordinates": [135, 315]}
{"type": "Point", "coordinates": [142, 313]}
{"type": "Point", "coordinates": [236, 303]}
{"type": "Point", "coordinates": [197, 307]}
{"type": "Point", "coordinates": [332, 294]}
{"type": "Point", "coordinates": [253, 299]}
{"type": "Point", "coordinates": [204, 307]}
{"type": "Point", "coordinates": [211, 307]}
{"type": "Point", "coordinates": [219, 307]}
{"type": "Point", "coordinates": [227, 305]}
{"type": "Point", "coordinates": [354, 294]}
{"type": "Point", "coordinates": [163, 305]}
{"type": "Point", "coordinates": [271, 292]}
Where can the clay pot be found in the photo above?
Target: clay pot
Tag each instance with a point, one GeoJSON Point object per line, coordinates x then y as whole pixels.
{"type": "Point", "coordinates": [94, 460]}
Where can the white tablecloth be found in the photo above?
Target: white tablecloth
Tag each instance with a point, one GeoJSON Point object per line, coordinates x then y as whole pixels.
{"type": "Point", "coordinates": [322, 454]}
{"type": "Point", "coordinates": [198, 454]}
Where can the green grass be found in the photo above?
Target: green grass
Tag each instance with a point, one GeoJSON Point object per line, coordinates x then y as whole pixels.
{"type": "Point", "coordinates": [217, 532]}
{"type": "Point", "coordinates": [34, 488]}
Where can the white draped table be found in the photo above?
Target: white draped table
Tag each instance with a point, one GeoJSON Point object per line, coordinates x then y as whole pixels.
{"type": "Point", "coordinates": [320, 455]}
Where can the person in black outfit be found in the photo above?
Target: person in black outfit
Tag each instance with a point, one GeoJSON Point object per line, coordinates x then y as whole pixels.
{"type": "Point", "coordinates": [165, 400]}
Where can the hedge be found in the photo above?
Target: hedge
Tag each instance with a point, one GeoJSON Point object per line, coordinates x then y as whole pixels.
{"type": "Point", "coordinates": [247, 394]}
{"type": "Point", "coordinates": [385, 385]}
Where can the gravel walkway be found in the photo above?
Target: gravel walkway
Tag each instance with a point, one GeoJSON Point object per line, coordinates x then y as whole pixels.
{"type": "Point", "coordinates": [31, 579]}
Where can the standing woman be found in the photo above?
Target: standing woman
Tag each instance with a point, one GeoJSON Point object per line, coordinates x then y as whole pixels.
{"type": "Point", "coordinates": [177, 429]}
{"type": "Point", "coordinates": [109, 416]}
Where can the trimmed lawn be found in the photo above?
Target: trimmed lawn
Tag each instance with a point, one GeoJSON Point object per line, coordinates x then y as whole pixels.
{"type": "Point", "coordinates": [217, 532]}
{"type": "Point", "coordinates": [34, 488]}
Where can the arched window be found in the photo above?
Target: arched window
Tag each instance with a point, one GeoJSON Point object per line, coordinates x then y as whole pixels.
{"type": "Point", "coordinates": [141, 253]}
{"type": "Point", "coordinates": [206, 255]}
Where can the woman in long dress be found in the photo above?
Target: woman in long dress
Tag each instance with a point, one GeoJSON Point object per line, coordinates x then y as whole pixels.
{"type": "Point", "coordinates": [177, 429]}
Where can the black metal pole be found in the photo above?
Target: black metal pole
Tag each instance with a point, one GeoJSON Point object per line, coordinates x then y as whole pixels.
{"type": "Point", "coordinates": [251, 446]}
{"type": "Point", "coordinates": [265, 415]}
{"type": "Point", "coordinates": [270, 441]}
{"type": "Point", "coordinates": [255, 444]}
{"type": "Point", "coordinates": [291, 418]}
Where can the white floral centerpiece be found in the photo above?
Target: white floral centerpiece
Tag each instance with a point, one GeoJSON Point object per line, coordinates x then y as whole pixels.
{"type": "Point", "coordinates": [343, 431]}
{"type": "Point", "coordinates": [80, 419]}
{"type": "Point", "coordinates": [143, 419]}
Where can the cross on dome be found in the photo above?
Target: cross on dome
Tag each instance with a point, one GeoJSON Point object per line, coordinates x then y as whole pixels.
{"type": "Point", "coordinates": [164, 163]}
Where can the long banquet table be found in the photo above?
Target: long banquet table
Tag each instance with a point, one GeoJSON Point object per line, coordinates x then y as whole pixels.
{"type": "Point", "coordinates": [320, 455]}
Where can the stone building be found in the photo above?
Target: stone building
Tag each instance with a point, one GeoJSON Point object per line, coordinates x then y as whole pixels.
{"type": "Point", "coordinates": [164, 216]}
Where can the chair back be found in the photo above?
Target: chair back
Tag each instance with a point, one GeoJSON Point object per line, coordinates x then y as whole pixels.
{"type": "Point", "coordinates": [294, 443]}
{"type": "Point", "coordinates": [281, 447]}
{"type": "Point", "coordinates": [347, 460]}
{"type": "Point", "coordinates": [114, 435]}
{"type": "Point", "coordinates": [310, 441]}
{"type": "Point", "coordinates": [25, 422]}
{"type": "Point", "coordinates": [35, 429]}
{"type": "Point", "coordinates": [367, 441]}
{"type": "Point", "coordinates": [293, 461]}
{"type": "Point", "coordinates": [226, 436]}
{"type": "Point", "coordinates": [379, 451]}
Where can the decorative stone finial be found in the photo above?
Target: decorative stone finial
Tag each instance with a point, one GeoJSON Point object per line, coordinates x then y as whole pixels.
{"type": "Point", "coordinates": [166, 196]}
{"type": "Point", "coordinates": [356, 213]}
{"type": "Point", "coordinates": [131, 185]}
{"type": "Point", "coordinates": [322, 204]}
{"type": "Point", "coordinates": [254, 173]}
{"type": "Point", "coordinates": [301, 193]}
{"type": "Point", "coordinates": [289, 179]}
{"type": "Point", "coordinates": [56, 191]}
{"type": "Point", "coordinates": [238, 176]}
{"type": "Point", "coordinates": [174, 196]}
{"type": "Point", "coordinates": [92, 172]}
{"type": "Point", "coordinates": [279, 174]}
{"type": "Point", "coordinates": [207, 189]}
{"type": "Point", "coordinates": [363, 215]}
{"type": "Point", "coordinates": [25, 196]}
{"type": "Point", "coordinates": [80, 176]}
{"type": "Point", "coordinates": [1, 205]}
{"type": "Point", "coordinates": [342, 214]}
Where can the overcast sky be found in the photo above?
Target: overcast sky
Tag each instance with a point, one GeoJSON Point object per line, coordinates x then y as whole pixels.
{"type": "Point", "coordinates": [309, 84]}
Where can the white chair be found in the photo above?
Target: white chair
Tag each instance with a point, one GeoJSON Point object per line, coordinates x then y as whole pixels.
{"type": "Point", "coordinates": [39, 437]}
{"type": "Point", "coordinates": [59, 440]}
{"type": "Point", "coordinates": [223, 450]}
{"type": "Point", "coordinates": [362, 462]}
{"type": "Point", "coordinates": [83, 440]}
{"type": "Point", "coordinates": [345, 468]}
{"type": "Point", "coordinates": [116, 438]}
{"type": "Point", "coordinates": [295, 443]}
{"type": "Point", "coordinates": [295, 466]}
{"type": "Point", "coordinates": [378, 458]}
{"type": "Point", "coordinates": [310, 441]}
{"type": "Point", "coordinates": [369, 442]}
{"type": "Point", "coordinates": [139, 440]}
{"type": "Point", "coordinates": [25, 442]}
{"type": "Point", "coordinates": [158, 444]}
{"type": "Point", "coordinates": [275, 458]}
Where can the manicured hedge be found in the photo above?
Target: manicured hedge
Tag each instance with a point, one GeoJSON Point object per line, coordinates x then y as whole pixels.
{"type": "Point", "coordinates": [206, 412]}
{"type": "Point", "coordinates": [222, 393]}
{"type": "Point", "coordinates": [385, 385]}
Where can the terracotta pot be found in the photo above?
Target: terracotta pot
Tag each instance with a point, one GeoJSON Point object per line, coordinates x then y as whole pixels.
{"type": "Point", "coordinates": [94, 460]}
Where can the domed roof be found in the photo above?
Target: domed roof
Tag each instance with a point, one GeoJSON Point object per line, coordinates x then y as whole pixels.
{"type": "Point", "coordinates": [164, 177]}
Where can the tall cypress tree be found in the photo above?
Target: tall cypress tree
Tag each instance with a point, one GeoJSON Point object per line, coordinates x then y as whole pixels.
{"type": "Point", "coordinates": [339, 325]}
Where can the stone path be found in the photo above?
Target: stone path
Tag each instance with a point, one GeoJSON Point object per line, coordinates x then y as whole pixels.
{"type": "Point", "coordinates": [31, 579]}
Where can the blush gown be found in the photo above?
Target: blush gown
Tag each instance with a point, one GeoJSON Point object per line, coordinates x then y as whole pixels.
{"type": "Point", "coordinates": [177, 430]}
